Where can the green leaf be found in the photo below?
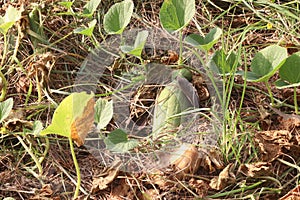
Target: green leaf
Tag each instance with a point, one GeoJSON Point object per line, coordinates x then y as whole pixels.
{"type": "Point", "coordinates": [175, 98]}
{"type": "Point", "coordinates": [207, 42]}
{"type": "Point", "coordinates": [267, 61]}
{"type": "Point", "coordinates": [281, 84]}
{"type": "Point", "coordinates": [87, 31]}
{"type": "Point", "coordinates": [103, 113]}
{"type": "Point", "coordinates": [70, 109]}
{"type": "Point", "coordinates": [66, 4]}
{"type": "Point", "coordinates": [290, 70]}
{"type": "Point", "coordinates": [11, 16]}
{"type": "Point", "coordinates": [117, 141]}
{"type": "Point", "coordinates": [118, 17]}
{"type": "Point", "coordinates": [5, 108]}
{"type": "Point", "coordinates": [223, 63]}
{"type": "Point", "coordinates": [90, 8]}
{"type": "Point", "coordinates": [176, 14]}
{"type": "Point", "coordinates": [138, 46]}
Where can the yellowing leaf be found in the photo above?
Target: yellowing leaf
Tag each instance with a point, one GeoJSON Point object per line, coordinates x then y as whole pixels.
{"type": "Point", "coordinates": [73, 117]}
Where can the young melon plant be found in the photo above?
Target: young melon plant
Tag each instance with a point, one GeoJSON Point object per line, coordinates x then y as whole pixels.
{"type": "Point", "coordinates": [290, 76]}
{"type": "Point", "coordinates": [12, 15]}
{"type": "Point", "coordinates": [73, 119]}
{"type": "Point", "coordinates": [118, 17]}
{"type": "Point", "coordinates": [174, 15]}
{"type": "Point", "coordinates": [264, 65]}
{"type": "Point", "coordinates": [204, 43]}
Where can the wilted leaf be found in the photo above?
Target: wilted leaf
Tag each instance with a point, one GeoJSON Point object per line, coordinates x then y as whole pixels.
{"type": "Point", "coordinates": [225, 178]}
{"type": "Point", "coordinates": [101, 182]}
{"type": "Point", "coordinates": [73, 117]}
{"type": "Point", "coordinates": [271, 143]}
{"type": "Point", "coordinates": [255, 169]}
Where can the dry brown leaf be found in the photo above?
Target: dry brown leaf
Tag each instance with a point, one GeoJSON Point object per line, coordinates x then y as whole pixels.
{"type": "Point", "coordinates": [186, 159]}
{"type": "Point", "coordinates": [287, 121]}
{"type": "Point", "coordinates": [255, 169]}
{"type": "Point", "coordinates": [82, 125]}
{"type": "Point", "coordinates": [44, 193]}
{"type": "Point", "coordinates": [211, 159]}
{"type": "Point", "coordinates": [200, 186]}
{"type": "Point", "coordinates": [121, 191]}
{"type": "Point", "coordinates": [225, 178]}
{"type": "Point", "coordinates": [294, 194]}
{"type": "Point", "coordinates": [271, 143]}
{"type": "Point", "coordinates": [101, 181]}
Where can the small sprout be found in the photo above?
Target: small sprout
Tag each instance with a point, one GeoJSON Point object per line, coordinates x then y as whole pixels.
{"type": "Point", "coordinates": [207, 42]}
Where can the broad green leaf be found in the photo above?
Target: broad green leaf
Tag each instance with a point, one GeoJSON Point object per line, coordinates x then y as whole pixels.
{"type": "Point", "coordinates": [176, 14]}
{"type": "Point", "coordinates": [117, 141]}
{"type": "Point", "coordinates": [11, 16]}
{"type": "Point", "coordinates": [73, 117]}
{"type": "Point", "coordinates": [118, 17]}
{"type": "Point", "coordinates": [103, 113]}
{"type": "Point", "coordinates": [87, 31]}
{"type": "Point", "coordinates": [207, 42]}
{"type": "Point", "coordinates": [290, 70]}
{"type": "Point", "coordinates": [90, 8]}
{"type": "Point", "coordinates": [175, 98]}
{"type": "Point", "coordinates": [267, 61]}
{"type": "Point", "coordinates": [223, 63]}
{"type": "Point", "coordinates": [138, 46]}
{"type": "Point", "coordinates": [5, 108]}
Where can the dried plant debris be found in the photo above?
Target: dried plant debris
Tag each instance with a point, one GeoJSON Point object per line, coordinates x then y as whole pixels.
{"type": "Point", "coordinates": [101, 181]}
{"type": "Point", "coordinates": [225, 178]}
{"type": "Point", "coordinates": [294, 194]}
{"type": "Point", "coordinates": [271, 143]}
{"type": "Point", "coordinates": [255, 169]}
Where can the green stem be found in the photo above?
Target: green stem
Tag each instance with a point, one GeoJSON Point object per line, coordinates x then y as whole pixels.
{"type": "Point", "coordinates": [295, 100]}
{"type": "Point", "coordinates": [34, 158]}
{"type": "Point", "coordinates": [4, 86]}
{"type": "Point", "coordinates": [76, 167]}
{"type": "Point", "coordinates": [270, 93]}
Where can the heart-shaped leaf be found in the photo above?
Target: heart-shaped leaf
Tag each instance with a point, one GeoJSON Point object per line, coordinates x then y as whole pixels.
{"type": "Point", "coordinates": [266, 62]}
{"type": "Point", "coordinates": [207, 42]}
{"type": "Point", "coordinates": [222, 63]}
{"type": "Point", "coordinates": [90, 8]}
{"type": "Point", "coordinates": [5, 108]}
{"type": "Point", "coordinates": [87, 31]}
{"type": "Point", "coordinates": [290, 70]}
{"type": "Point", "coordinates": [11, 16]}
{"type": "Point", "coordinates": [118, 17]}
{"type": "Point", "coordinates": [73, 117]}
{"type": "Point", "coordinates": [103, 113]}
{"type": "Point", "coordinates": [118, 141]}
{"type": "Point", "coordinates": [176, 14]}
{"type": "Point", "coordinates": [138, 46]}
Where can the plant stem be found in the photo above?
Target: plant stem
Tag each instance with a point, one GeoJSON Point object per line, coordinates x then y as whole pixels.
{"type": "Point", "coordinates": [34, 158]}
{"type": "Point", "coordinates": [180, 61]}
{"type": "Point", "coordinates": [76, 168]}
{"type": "Point", "coordinates": [4, 86]}
{"type": "Point", "coordinates": [270, 92]}
{"type": "Point", "coordinates": [295, 100]}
